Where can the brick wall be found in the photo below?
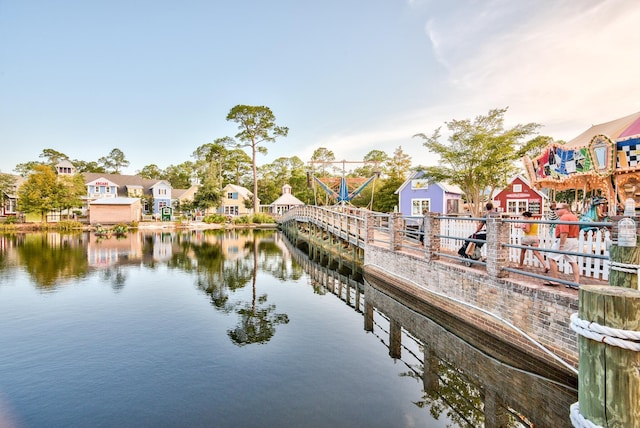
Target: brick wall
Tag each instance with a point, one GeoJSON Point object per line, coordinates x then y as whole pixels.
{"type": "Point", "coordinates": [541, 314]}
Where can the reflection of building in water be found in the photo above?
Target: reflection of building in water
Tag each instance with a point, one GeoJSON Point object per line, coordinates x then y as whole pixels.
{"type": "Point", "coordinates": [234, 244]}
{"type": "Point", "coordinates": [163, 246]}
{"type": "Point", "coordinates": [103, 252]}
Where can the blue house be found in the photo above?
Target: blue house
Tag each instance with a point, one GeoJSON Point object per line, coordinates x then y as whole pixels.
{"type": "Point", "coordinates": [417, 194]}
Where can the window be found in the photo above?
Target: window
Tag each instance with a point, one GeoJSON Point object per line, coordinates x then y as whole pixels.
{"type": "Point", "coordinates": [517, 188]}
{"type": "Point", "coordinates": [231, 210]}
{"type": "Point", "coordinates": [517, 206]}
{"type": "Point", "coordinates": [232, 195]}
{"type": "Point", "coordinates": [419, 205]}
{"type": "Point", "coordinates": [107, 189]}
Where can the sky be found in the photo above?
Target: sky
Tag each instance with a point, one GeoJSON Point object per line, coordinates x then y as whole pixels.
{"type": "Point", "coordinates": [156, 79]}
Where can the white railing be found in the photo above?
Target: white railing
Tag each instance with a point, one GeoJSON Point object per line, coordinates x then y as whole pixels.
{"type": "Point", "coordinates": [351, 224]}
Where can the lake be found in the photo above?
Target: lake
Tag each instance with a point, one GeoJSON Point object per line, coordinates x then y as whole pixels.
{"type": "Point", "coordinates": [204, 328]}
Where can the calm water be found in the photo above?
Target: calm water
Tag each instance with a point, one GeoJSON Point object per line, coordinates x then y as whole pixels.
{"type": "Point", "coordinates": [199, 329]}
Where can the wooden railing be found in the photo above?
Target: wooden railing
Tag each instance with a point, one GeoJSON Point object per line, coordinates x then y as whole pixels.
{"type": "Point", "coordinates": [446, 234]}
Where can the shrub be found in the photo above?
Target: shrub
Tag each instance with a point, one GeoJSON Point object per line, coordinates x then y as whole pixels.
{"type": "Point", "coordinates": [215, 218]}
{"type": "Point", "coordinates": [262, 218]}
{"type": "Point", "coordinates": [67, 225]}
{"type": "Point", "coordinates": [241, 220]}
{"type": "Point", "coordinates": [12, 219]}
{"type": "Point", "coordinates": [120, 229]}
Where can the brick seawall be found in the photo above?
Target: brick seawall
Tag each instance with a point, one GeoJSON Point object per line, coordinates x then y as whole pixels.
{"type": "Point", "coordinates": [540, 312]}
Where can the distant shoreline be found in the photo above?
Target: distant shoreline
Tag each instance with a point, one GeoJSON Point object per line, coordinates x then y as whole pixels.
{"type": "Point", "coordinates": [156, 225]}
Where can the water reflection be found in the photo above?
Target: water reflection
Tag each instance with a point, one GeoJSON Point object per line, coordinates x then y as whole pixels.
{"type": "Point", "coordinates": [458, 375]}
{"type": "Point", "coordinates": [222, 261]}
{"type": "Point", "coordinates": [466, 374]}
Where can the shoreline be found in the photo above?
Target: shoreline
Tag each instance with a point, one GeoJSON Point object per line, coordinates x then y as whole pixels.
{"type": "Point", "coordinates": [159, 225]}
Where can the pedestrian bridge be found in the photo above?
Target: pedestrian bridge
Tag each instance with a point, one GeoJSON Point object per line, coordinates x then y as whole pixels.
{"type": "Point", "coordinates": [510, 302]}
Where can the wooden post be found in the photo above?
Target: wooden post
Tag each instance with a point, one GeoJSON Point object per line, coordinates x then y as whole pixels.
{"type": "Point", "coordinates": [395, 339]}
{"type": "Point", "coordinates": [609, 379]}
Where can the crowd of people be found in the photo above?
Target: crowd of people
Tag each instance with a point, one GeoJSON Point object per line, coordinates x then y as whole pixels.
{"type": "Point", "coordinates": [565, 240]}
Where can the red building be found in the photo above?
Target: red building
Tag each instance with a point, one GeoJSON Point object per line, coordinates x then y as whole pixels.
{"type": "Point", "coordinates": [518, 197]}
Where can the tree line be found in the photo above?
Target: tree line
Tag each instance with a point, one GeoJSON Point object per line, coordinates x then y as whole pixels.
{"type": "Point", "coordinates": [478, 155]}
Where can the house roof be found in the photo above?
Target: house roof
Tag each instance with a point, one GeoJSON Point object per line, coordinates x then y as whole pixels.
{"type": "Point", "coordinates": [449, 188]}
{"type": "Point", "coordinates": [287, 199]}
{"type": "Point", "coordinates": [243, 191]}
{"type": "Point", "coordinates": [115, 201]}
{"type": "Point", "coordinates": [184, 194]}
{"type": "Point", "coordinates": [525, 181]}
{"type": "Point", "coordinates": [613, 129]}
{"type": "Point", "coordinates": [122, 181]}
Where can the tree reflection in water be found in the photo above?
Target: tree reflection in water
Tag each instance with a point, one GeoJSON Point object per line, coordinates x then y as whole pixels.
{"type": "Point", "coordinates": [52, 258]}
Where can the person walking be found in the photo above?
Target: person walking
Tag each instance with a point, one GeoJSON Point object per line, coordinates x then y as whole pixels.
{"type": "Point", "coordinates": [566, 240]}
{"type": "Point", "coordinates": [553, 216]}
{"type": "Point", "coordinates": [531, 239]}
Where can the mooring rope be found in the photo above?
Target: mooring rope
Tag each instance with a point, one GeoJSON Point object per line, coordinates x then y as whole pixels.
{"type": "Point", "coordinates": [578, 420]}
{"type": "Point", "coordinates": [626, 339]}
{"type": "Point", "coordinates": [624, 267]}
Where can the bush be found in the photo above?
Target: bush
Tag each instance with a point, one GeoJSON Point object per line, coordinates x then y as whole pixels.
{"type": "Point", "coordinates": [12, 219]}
{"type": "Point", "coordinates": [133, 224]}
{"type": "Point", "coordinates": [67, 225]}
{"type": "Point", "coordinates": [241, 220]}
{"type": "Point", "coordinates": [120, 229]}
{"type": "Point", "coordinates": [215, 218]}
{"type": "Point", "coordinates": [262, 218]}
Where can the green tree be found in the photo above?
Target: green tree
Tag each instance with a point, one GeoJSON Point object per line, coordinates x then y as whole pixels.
{"type": "Point", "coordinates": [210, 160]}
{"type": "Point", "coordinates": [324, 158]}
{"type": "Point", "coordinates": [151, 172]}
{"type": "Point", "coordinates": [385, 199]}
{"type": "Point", "coordinates": [7, 182]}
{"type": "Point", "coordinates": [87, 166]}
{"type": "Point", "coordinates": [70, 191]}
{"type": "Point", "coordinates": [237, 168]}
{"type": "Point", "coordinates": [25, 168]}
{"type": "Point", "coordinates": [257, 126]}
{"type": "Point", "coordinates": [53, 157]}
{"type": "Point", "coordinates": [114, 162]}
{"type": "Point", "coordinates": [480, 155]}
{"type": "Point", "coordinates": [39, 192]}
{"type": "Point", "coordinates": [180, 176]}
{"type": "Point", "coordinates": [208, 194]}
{"type": "Point", "coordinates": [399, 165]}
{"type": "Point", "coordinates": [373, 162]}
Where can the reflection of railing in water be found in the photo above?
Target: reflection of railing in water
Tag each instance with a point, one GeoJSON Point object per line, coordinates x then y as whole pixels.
{"type": "Point", "coordinates": [327, 279]}
{"type": "Point", "coordinates": [470, 384]}
{"type": "Point", "coordinates": [468, 367]}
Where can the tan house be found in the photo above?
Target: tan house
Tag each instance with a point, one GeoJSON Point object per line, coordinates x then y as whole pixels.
{"type": "Point", "coordinates": [115, 210]}
{"type": "Point", "coordinates": [235, 200]}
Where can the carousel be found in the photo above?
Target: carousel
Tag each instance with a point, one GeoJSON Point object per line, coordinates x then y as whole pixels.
{"type": "Point", "coordinates": [603, 162]}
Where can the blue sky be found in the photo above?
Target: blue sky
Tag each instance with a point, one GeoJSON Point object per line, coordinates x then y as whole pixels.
{"type": "Point", "coordinates": [156, 79]}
